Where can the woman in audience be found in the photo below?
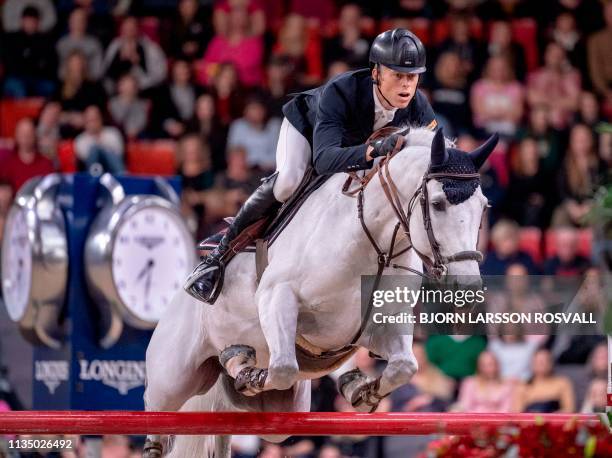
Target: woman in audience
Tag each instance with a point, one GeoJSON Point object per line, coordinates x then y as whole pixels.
{"type": "Point", "coordinates": [501, 44]}
{"type": "Point", "coordinates": [556, 86]}
{"type": "Point", "coordinates": [547, 139]}
{"type": "Point", "coordinates": [238, 47]}
{"type": "Point", "coordinates": [450, 92]}
{"type": "Point", "coordinates": [189, 31]}
{"type": "Point", "coordinates": [77, 93]}
{"type": "Point", "coordinates": [497, 99]}
{"type": "Point", "coordinates": [485, 391]}
{"type": "Point", "coordinates": [208, 125]}
{"type": "Point", "coordinates": [228, 93]}
{"type": "Point", "coordinates": [578, 179]}
{"type": "Point", "coordinates": [127, 110]}
{"type": "Point", "coordinates": [545, 392]}
{"type": "Point", "coordinates": [77, 39]}
{"type": "Point", "coordinates": [527, 194]}
{"type": "Point", "coordinates": [514, 351]}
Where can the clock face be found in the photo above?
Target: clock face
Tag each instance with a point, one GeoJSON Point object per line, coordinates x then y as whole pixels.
{"type": "Point", "coordinates": [16, 264]}
{"type": "Point", "coordinates": [151, 257]}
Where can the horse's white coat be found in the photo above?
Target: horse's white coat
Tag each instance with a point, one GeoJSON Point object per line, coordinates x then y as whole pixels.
{"type": "Point", "coordinates": [312, 286]}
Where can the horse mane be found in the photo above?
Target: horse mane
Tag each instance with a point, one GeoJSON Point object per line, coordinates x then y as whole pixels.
{"type": "Point", "coordinates": [422, 136]}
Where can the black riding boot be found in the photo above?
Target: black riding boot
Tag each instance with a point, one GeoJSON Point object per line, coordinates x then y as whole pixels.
{"type": "Point", "coordinates": [203, 281]}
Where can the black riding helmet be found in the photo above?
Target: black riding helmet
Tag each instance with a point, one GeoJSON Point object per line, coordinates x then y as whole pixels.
{"type": "Point", "coordinates": [400, 50]}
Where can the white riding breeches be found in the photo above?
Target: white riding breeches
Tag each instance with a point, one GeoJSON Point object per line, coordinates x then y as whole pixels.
{"type": "Point", "coordinates": [293, 155]}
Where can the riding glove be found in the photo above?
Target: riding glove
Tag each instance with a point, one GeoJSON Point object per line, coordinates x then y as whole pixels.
{"type": "Point", "coordinates": [385, 145]}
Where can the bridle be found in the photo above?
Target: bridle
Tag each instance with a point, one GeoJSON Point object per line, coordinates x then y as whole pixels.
{"type": "Point", "coordinates": [436, 267]}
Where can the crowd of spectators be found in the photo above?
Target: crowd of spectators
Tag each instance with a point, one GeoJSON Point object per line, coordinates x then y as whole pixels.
{"type": "Point", "coordinates": [211, 78]}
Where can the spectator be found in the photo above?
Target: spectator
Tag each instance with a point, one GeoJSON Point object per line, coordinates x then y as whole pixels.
{"type": "Point", "coordinates": [134, 53]}
{"type": "Point", "coordinates": [469, 50]}
{"type": "Point", "coordinates": [99, 148]}
{"type": "Point", "coordinates": [76, 93]}
{"type": "Point", "coordinates": [48, 130]}
{"type": "Point", "coordinates": [128, 111]}
{"type": "Point", "coordinates": [450, 92]}
{"type": "Point", "coordinates": [12, 11]}
{"type": "Point", "coordinates": [455, 355]}
{"type": "Point", "coordinates": [77, 39]}
{"type": "Point", "coordinates": [238, 175]}
{"type": "Point", "coordinates": [505, 241]}
{"type": "Point", "coordinates": [547, 139]}
{"type": "Point", "coordinates": [596, 396]}
{"type": "Point", "coordinates": [238, 47]}
{"type": "Point", "coordinates": [254, 9]}
{"type": "Point", "coordinates": [29, 59]}
{"type": "Point", "coordinates": [256, 134]}
{"type": "Point", "coordinates": [588, 111]}
{"type": "Point", "coordinates": [196, 175]}
{"type": "Point", "coordinates": [25, 162]}
{"type": "Point", "coordinates": [497, 99]}
{"type": "Point", "coordinates": [600, 58]}
{"type": "Point", "coordinates": [174, 105]}
{"type": "Point", "coordinates": [228, 92]}
{"type": "Point", "coordinates": [100, 23]}
{"type": "Point", "coordinates": [514, 351]}
{"type": "Point", "coordinates": [566, 34]}
{"type": "Point", "coordinates": [278, 85]}
{"type": "Point", "coordinates": [189, 31]}
{"type": "Point", "coordinates": [302, 49]}
{"type": "Point", "coordinates": [597, 363]}
{"type": "Point", "coordinates": [545, 392]}
{"type": "Point", "coordinates": [349, 45]}
{"type": "Point", "coordinates": [556, 86]}
{"type": "Point", "coordinates": [485, 391]}
{"type": "Point", "coordinates": [566, 261]}
{"type": "Point", "coordinates": [526, 196]}
{"type": "Point", "coordinates": [578, 178]}
{"type": "Point", "coordinates": [501, 45]}
{"type": "Point", "coordinates": [207, 124]}
{"type": "Point", "coordinates": [429, 389]}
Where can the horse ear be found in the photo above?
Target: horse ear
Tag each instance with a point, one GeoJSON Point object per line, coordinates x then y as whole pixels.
{"type": "Point", "coordinates": [480, 154]}
{"type": "Point", "coordinates": [438, 148]}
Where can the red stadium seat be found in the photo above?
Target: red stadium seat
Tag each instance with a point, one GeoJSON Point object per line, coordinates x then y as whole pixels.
{"type": "Point", "coordinates": [149, 26]}
{"type": "Point", "coordinates": [530, 241]}
{"type": "Point", "coordinates": [66, 157]}
{"type": "Point", "coordinates": [585, 241]}
{"type": "Point", "coordinates": [151, 157]}
{"type": "Point", "coordinates": [12, 110]}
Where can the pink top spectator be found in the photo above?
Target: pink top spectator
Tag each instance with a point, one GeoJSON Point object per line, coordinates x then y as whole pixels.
{"type": "Point", "coordinates": [246, 55]}
{"type": "Point", "coordinates": [477, 397]}
{"type": "Point", "coordinates": [552, 87]}
{"type": "Point", "coordinates": [499, 98]}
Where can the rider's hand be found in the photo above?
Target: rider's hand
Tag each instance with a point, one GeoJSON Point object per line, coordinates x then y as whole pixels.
{"type": "Point", "coordinates": [384, 146]}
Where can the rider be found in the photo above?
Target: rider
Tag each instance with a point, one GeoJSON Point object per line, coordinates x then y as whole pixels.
{"type": "Point", "coordinates": [328, 127]}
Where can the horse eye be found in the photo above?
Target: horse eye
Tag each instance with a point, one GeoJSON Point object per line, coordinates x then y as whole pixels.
{"type": "Point", "coordinates": [438, 205]}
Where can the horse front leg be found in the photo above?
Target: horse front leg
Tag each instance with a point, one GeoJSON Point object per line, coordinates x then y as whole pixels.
{"type": "Point", "coordinates": [365, 393]}
{"type": "Point", "coordinates": [278, 314]}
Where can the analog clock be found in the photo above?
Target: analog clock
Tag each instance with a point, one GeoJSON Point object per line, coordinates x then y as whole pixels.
{"type": "Point", "coordinates": [35, 261]}
{"type": "Point", "coordinates": [138, 252]}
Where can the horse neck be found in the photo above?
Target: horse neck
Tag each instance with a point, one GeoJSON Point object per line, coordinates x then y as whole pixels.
{"type": "Point", "coordinates": [406, 170]}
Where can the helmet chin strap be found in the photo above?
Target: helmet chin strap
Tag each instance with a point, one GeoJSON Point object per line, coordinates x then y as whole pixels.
{"type": "Point", "coordinates": [377, 82]}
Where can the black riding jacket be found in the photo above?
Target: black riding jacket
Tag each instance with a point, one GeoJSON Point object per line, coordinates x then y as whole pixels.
{"type": "Point", "coordinates": [338, 117]}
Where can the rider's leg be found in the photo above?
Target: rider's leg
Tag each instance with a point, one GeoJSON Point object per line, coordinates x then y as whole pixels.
{"type": "Point", "coordinates": [293, 154]}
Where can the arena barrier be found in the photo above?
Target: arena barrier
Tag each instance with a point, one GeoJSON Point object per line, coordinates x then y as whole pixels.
{"type": "Point", "coordinates": [302, 424]}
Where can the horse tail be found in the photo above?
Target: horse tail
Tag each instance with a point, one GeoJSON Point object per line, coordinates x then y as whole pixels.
{"type": "Point", "coordinates": [215, 400]}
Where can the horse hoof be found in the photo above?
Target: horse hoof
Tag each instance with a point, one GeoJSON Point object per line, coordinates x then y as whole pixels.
{"type": "Point", "coordinates": [360, 390]}
{"type": "Point", "coordinates": [250, 380]}
{"type": "Point", "coordinates": [152, 450]}
{"type": "Point", "coordinates": [235, 356]}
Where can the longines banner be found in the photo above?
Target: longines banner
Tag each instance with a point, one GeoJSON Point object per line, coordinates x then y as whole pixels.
{"type": "Point", "coordinates": [487, 305]}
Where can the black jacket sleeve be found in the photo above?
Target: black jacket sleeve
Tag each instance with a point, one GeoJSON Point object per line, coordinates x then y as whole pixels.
{"type": "Point", "coordinates": [329, 155]}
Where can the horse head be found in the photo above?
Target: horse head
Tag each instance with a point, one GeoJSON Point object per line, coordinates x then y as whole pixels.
{"type": "Point", "coordinates": [446, 210]}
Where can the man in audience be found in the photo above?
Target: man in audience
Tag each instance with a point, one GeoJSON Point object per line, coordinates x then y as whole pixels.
{"type": "Point", "coordinates": [29, 59]}
{"type": "Point", "coordinates": [566, 261]}
{"type": "Point", "coordinates": [25, 162]}
{"type": "Point", "coordinates": [505, 240]}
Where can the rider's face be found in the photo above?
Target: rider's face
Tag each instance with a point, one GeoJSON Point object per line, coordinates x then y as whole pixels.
{"type": "Point", "coordinates": [398, 88]}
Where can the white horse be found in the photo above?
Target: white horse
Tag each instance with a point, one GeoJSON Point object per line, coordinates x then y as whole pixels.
{"type": "Point", "coordinates": [240, 353]}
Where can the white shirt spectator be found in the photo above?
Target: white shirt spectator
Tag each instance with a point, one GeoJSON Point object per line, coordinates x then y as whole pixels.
{"type": "Point", "coordinates": [260, 144]}
{"type": "Point", "coordinates": [109, 139]}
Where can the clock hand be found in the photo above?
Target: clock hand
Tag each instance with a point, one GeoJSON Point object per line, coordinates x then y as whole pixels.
{"type": "Point", "coordinates": [145, 269]}
{"type": "Point", "coordinates": [148, 287]}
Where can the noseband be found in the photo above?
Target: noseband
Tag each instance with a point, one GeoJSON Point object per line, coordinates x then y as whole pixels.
{"type": "Point", "coordinates": [436, 267]}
